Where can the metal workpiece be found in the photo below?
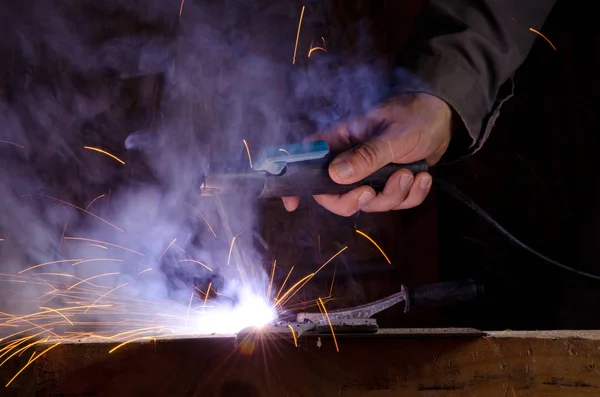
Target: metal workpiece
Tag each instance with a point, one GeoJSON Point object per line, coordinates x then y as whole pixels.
{"type": "Point", "coordinates": [358, 319]}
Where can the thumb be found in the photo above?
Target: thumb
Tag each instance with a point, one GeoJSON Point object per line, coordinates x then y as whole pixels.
{"type": "Point", "coordinates": [361, 161]}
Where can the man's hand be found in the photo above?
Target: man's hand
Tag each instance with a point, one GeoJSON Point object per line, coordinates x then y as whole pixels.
{"type": "Point", "coordinates": [403, 130]}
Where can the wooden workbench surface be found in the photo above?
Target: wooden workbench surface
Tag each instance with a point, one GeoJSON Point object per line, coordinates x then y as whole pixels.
{"type": "Point", "coordinates": [395, 363]}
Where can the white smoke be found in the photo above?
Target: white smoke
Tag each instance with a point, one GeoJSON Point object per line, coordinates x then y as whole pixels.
{"type": "Point", "coordinates": [223, 73]}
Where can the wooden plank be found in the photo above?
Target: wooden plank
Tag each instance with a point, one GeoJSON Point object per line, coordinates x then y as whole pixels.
{"type": "Point", "coordinates": [503, 364]}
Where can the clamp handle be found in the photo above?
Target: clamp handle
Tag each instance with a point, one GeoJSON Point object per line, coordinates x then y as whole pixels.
{"type": "Point", "coordinates": [441, 294]}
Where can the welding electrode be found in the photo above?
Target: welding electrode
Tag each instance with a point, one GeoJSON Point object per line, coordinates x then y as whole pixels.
{"type": "Point", "coordinates": [305, 178]}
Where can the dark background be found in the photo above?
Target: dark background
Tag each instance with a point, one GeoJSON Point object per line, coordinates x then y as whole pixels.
{"type": "Point", "coordinates": [535, 176]}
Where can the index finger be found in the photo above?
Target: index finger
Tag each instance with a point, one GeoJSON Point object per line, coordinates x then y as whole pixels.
{"type": "Point", "coordinates": [346, 134]}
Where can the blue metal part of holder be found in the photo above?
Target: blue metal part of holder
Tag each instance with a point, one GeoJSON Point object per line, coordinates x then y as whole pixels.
{"type": "Point", "coordinates": [274, 159]}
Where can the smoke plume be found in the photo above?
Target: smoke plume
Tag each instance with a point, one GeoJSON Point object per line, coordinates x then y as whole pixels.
{"type": "Point", "coordinates": [166, 94]}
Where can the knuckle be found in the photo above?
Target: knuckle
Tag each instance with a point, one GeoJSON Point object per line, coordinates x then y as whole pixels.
{"type": "Point", "coordinates": [368, 154]}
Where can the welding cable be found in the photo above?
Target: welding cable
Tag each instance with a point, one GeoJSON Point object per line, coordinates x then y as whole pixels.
{"type": "Point", "coordinates": [460, 196]}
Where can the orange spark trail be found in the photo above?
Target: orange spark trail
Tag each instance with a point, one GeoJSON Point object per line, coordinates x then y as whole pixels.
{"type": "Point", "coordinates": [57, 312]}
{"type": "Point", "coordinates": [97, 260]}
{"type": "Point", "coordinates": [197, 262]}
{"type": "Point", "coordinates": [49, 263]}
{"type": "Point", "coordinates": [91, 278]}
{"type": "Point", "coordinates": [298, 285]}
{"type": "Point", "coordinates": [330, 259]}
{"type": "Point", "coordinates": [248, 152]}
{"type": "Point", "coordinates": [293, 287]}
{"type": "Point", "coordinates": [105, 243]}
{"type": "Point", "coordinates": [97, 300]}
{"type": "Point", "coordinates": [284, 282]}
{"type": "Point", "coordinates": [272, 275]}
{"type": "Point", "coordinates": [375, 244]}
{"type": "Point", "coordinates": [544, 37]}
{"type": "Point", "coordinates": [298, 35]}
{"type": "Point", "coordinates": [206, 296]}
{"type": "Point", "coordinates": [104, 152]}
{"type": "Point", "coordinates": [293, 335]}
{"type": "Point", "coordinates": [31, 362]}
{"type": "Point", "coordinates": [231, 249]}
{"type": "Point", "coordinates": [169, 246]}
{"type": "Point", "coordinates": [81, 209]}
{"type": "Point", "coordinates": [332, 280]}
{"type": "Point", "coordinates": [144, 271]}
{"type": "Point", "coordinates": [205, 221]}
{"type": "Point", "coordinates": [315, 49]}
{"type": "Point", "coordinates": [337, 348]}
{"type": "Point", "coordinates": [12, 143]}
{"type": "Point", "coordinates": [62, 237]}
{"type": "Point", "coordinates": [94, 200]}
{"type": "Point", "coordinates": [181, 8]}
{"type": "Point", "coordinates": [129, 341]}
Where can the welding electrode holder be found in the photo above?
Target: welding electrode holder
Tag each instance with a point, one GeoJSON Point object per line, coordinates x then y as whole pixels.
{"type": "Point", "coordinates": [304, 178]}
{"type": "Point", "coordinates": [442, 294]}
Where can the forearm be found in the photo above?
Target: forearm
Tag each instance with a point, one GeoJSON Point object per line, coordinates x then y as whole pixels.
{"type": "Point", "coordinates": [464, 51]}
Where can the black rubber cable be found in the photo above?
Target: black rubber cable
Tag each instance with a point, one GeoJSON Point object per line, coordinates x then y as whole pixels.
{"type": "Point", "coordinates": [453, 191]}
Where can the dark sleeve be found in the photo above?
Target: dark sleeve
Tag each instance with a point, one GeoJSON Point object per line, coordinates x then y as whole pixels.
{"type": "Point", "coordinates": [464, 52]}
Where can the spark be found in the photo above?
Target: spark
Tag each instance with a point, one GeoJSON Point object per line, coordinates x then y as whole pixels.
{"type": "Point", "coordinates": [129, 341]}
{"type": "Point", "coordinates": [231, 250]}
{"type": "Point", "coordinates": [97, 300]}
{"type": "Point", "coordinates": [319, 244]}
{"type": "Point", "coordinates": [205, 221]}
{"type": "Point", "coordinates": [197, 262]}
{"type": "Point", "coordinates": [318, 48]}
{"type": "Point", "coordinates": [293, 335]}
{"type": "Point", "coordinates": [248, 152]}
{"type": "Point", "coordinates": [90, 278]}
{"type": "Point", "coordinates": [22, 350]}
{"type": "Point", "coordinates": [97, 260]}
{"type": "Point", "coordinates": [49, 263]}
{"type": "Point", "coordinates": [293, 287]}
{"type": "Point", "coordinates": [181, 8]}
{"type": "Point", "coordinates": [332, 258]}
{"type": "Point", "coordinates": [12, 143]}
{"type": "Point", "coordinates": [284, 282]}
{"type": "Point", "coordinates": [105, 243]}
{"type": "Point", "coordinates": [104, 152]}
{"type": "Point", "coordinates": [168, 246]}
{"type": "Point", "coordinates": [57, 312]}
{"type": "Point", "coordinates": [298, 35]}
{"type": "Point", "coordinates": [285, 151]}
{"type": "Point", "coordinates": [62, 237]}
{"type": "Point", "coordinates": [337, 348]}
{"type": "Point", "coordinates": [206, 296]}
{"type": "Point", "coordinates": [98, 246]}
{"type": "Point", "coordinates": [188, 310]}
{"type": "Point", "coordinates": [332, 280]}
{"type": "Point", "coordinates": [544, 37]}
{"type": "Point", "coordinates": [315, 49]}
{"type": "Point", "coordinates": [272, 276]}
{"type": "Point", "coordinates": [81, 209]}
{"type": "Point", "coordinates": [375, 244]}
{"type": "Point", "coordinates": [144, 271]}
{"type": "Point", "coordinates": [298, 285]}
{"type": "Point", "coordinates": [94, 200]}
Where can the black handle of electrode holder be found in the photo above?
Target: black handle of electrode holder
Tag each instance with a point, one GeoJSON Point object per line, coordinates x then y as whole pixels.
{"type": "Point", "coordinates": [310, 178]}
{"type": "Point", "coordinates": [441, 294]}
